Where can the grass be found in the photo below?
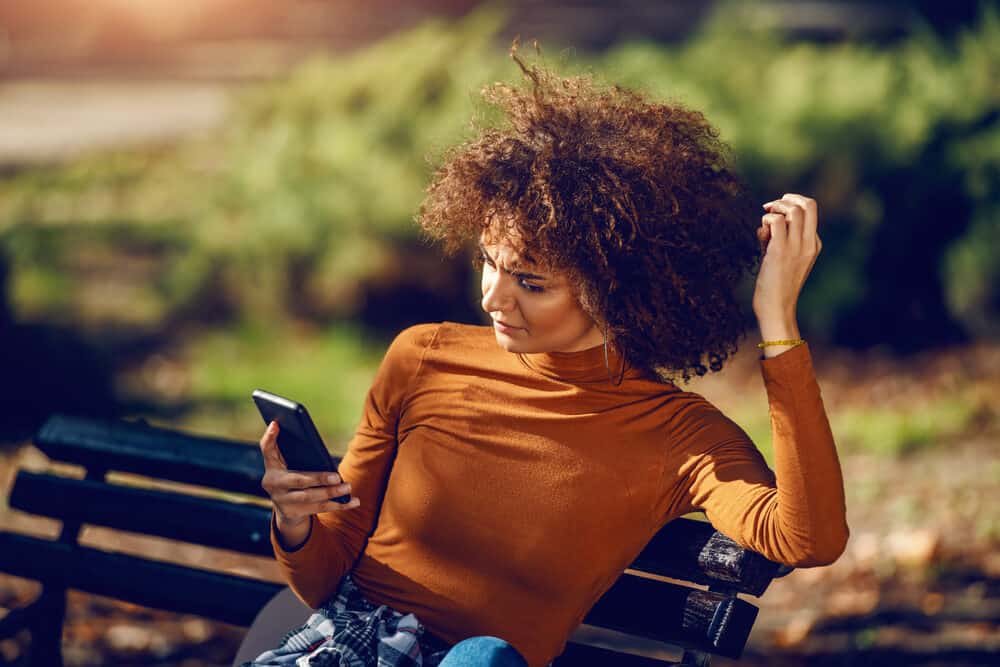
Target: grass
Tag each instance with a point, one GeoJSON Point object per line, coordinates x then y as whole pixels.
{"type": "Point", "coordinates": [876, 430]}
{"type": "Point", "coordinates": [895, 432]}
{"type": "Point", "coordinates": [328, 371]}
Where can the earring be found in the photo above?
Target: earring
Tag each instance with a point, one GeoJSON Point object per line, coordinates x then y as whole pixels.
{"type": "Point", "coordinates": [607, 365]}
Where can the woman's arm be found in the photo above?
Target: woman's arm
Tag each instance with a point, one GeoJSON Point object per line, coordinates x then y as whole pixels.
{"type": "Point", "coordinates": [335, 540]}
{"type": "Point", "coordinates": [798, 518]}
{"type": "Point", "coordinates": [795, 515]}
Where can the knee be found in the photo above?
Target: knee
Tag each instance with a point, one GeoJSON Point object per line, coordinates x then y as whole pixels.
{"type": "Point", "coordinates": [483, 651]}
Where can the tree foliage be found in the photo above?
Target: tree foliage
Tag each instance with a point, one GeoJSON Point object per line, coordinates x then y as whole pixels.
{"type": "Point", "coordinates": [304, 196]}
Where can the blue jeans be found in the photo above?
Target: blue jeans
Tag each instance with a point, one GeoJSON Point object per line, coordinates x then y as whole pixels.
{"type": "Point", "coordinates": [483, 651]}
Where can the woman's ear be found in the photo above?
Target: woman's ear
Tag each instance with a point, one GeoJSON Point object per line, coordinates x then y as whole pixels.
{"type": "Point", "coordinates": [587, 297]}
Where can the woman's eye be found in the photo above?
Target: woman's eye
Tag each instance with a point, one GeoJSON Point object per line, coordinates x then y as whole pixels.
{"type": "Point", "coordinates": [531, 288]}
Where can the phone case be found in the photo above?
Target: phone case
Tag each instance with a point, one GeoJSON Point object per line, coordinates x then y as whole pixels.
{"type": "Point", "coordinates": [300, 443]}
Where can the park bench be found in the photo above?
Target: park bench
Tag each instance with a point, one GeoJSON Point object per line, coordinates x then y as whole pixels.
{"type": "Point", "coordinates": [703, 621]}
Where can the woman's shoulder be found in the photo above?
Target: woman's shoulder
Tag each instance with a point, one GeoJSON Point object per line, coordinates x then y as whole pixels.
{"type": "Point", "coordinates": [419, 334]}
{"type": "Point", "coordinates": [429, 345]}
{"type": "Point", "coordinates": [444, 335]}
{"type": "Point", "coordinates": [693, 417]}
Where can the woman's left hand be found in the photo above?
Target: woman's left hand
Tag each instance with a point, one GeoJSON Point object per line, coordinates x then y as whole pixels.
{"type": "Point", "coordinates": [788, 235]}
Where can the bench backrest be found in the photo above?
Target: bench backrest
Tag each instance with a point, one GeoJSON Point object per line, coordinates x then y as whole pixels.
{"type": "Point", "coordinates": [712, 620]}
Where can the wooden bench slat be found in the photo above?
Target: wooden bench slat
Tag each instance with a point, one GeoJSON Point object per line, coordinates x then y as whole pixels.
{"type": "Point", "coordinates": [245, 528]}
{"type": "Point", "coordinates": [692, 618]}
{"type": "Point", "coordinates": [694, 551]}
{"type": "Point", "coordinates": [706, 623]}
{"type": "Point", "coordinates": [138, 448]}
{"type": "Point", "coordinates": [576, 655]}
{"type": "Point", "coordinates": [687, 617]}
{"type": "Point", "coordinates": [215, 523]}
{"type": "Point", "coordinates": [155, 584]}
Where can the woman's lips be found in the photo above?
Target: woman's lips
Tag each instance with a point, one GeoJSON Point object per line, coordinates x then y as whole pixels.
{"type": "Point", "coordinates": [504, 328]}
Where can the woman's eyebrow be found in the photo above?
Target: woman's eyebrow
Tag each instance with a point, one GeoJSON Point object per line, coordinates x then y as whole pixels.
{"type": "Point", "coordinates": [519, 274]}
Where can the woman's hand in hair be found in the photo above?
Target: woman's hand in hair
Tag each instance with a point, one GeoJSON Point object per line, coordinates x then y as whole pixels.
{"type": "Point", "coordinates": [790, 243]}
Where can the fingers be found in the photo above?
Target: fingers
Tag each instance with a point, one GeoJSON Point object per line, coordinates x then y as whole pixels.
{"type": "Point", "coordinates": [786, 223]}
{"type": "Point", "coordinates": [763, 236]}
{"type": "Point", "coordinates": [298, 511]}
{"type": "Point", "coordinates": [269, 448]}
{"type": "Point", "coordinates": [333, 506]}
{"type": "Point", "coordinates": [316, 494]}
{"type": "Point", "coordinates": [801, 217]}
{"type": "Point", "coordinates": [278, 482]}
{"type": "Point", "coordinates": [777, 229]}
{"type": "Point", "coordinates": [811, 212]}
{"type": "Point", "coordinates": [298, 502]}
{"type": "Point", "coordinates": [293, 479]}
{"type": "Point", "coordinates": [324, 503]}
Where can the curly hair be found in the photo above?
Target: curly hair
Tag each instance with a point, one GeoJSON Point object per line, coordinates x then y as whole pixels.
{"type": "Point", "coordinates": [635, 200]}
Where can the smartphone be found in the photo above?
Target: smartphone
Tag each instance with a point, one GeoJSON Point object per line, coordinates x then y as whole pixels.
{"type": "Point", "coordinates": [298, 439]}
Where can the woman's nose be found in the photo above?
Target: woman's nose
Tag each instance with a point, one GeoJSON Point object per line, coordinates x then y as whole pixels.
{"type": "Point", "coordinates": [496, 297]}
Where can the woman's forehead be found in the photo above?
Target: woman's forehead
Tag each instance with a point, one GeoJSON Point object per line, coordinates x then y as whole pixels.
{"type": "Point", "coordinates": [512, 245]}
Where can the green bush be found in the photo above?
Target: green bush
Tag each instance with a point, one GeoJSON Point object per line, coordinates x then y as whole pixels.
{"type": "Point", "coordinates": [300, 198]}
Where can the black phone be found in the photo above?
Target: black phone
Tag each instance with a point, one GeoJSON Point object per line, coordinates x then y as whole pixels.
{"type": "Point", "coordinates": [298, 439]}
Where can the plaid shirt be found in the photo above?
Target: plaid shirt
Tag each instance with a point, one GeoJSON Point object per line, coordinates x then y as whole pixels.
{"type": "Point", "coordinates": [350, 631]}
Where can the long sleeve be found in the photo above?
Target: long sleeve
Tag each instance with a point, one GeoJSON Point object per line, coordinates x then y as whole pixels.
{"type": "Point", "coordinates": [797, 514]}
{"type": "Point", "coordinates": [337, 538]}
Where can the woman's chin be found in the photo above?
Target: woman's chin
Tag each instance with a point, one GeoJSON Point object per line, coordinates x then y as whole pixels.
{"type": "Point", "coordinates": [508, 343]}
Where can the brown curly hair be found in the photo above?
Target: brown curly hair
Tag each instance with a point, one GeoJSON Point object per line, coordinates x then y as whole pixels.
{"type": "Point", "coordinates": [635, 200]}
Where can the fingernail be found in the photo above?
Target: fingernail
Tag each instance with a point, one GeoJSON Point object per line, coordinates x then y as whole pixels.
{"type": "Point", "coordinates": [332, 479]}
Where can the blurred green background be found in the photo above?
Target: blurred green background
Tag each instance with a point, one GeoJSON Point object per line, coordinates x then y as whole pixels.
{"type": "Point", "coordinates": [296, 213]}
{"type": "Point", "coordinates": [276, 248]}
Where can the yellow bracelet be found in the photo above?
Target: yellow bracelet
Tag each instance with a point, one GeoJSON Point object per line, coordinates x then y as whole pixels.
{"type": "Point", "coordinates": [798, 341]}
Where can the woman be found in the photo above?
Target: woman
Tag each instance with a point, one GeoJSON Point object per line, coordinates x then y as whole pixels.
{"type": "Point", "coordinates": [504, 476]}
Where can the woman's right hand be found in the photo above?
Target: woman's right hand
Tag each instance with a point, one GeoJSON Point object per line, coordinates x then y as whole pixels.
{"type": "Point", "coordinates": [298, 495]}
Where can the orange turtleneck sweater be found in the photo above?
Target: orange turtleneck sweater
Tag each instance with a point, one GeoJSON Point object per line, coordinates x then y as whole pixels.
{"type": "Point", "coordinates": [503, 494]}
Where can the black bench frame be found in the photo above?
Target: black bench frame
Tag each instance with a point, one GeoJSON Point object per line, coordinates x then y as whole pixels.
{"type": "Point", "coordinates": [702, 621]}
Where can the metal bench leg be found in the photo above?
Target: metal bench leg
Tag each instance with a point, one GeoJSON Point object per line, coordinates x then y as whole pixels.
{"type": "Point", "coordinates": [696, 659]}
{"type": "Point", "coordinates": [46, 629]}
{"type": "Point", "coordinates": [18, 619]}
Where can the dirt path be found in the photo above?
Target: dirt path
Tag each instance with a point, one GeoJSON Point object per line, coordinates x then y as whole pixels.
{"type": "Point", "coordinates": [47, 120]}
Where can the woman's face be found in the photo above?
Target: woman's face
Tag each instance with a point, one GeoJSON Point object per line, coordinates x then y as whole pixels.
{"type": "Point", "coordinates": [538, 304]}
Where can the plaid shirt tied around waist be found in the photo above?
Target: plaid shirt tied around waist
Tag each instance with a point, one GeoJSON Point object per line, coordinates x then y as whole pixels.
{"type": "Point", "coordinates": [349, 631]}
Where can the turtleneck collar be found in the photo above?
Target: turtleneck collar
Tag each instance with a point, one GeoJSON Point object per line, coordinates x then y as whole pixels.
{"type": "Point", "coordinates": [582, 366]}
